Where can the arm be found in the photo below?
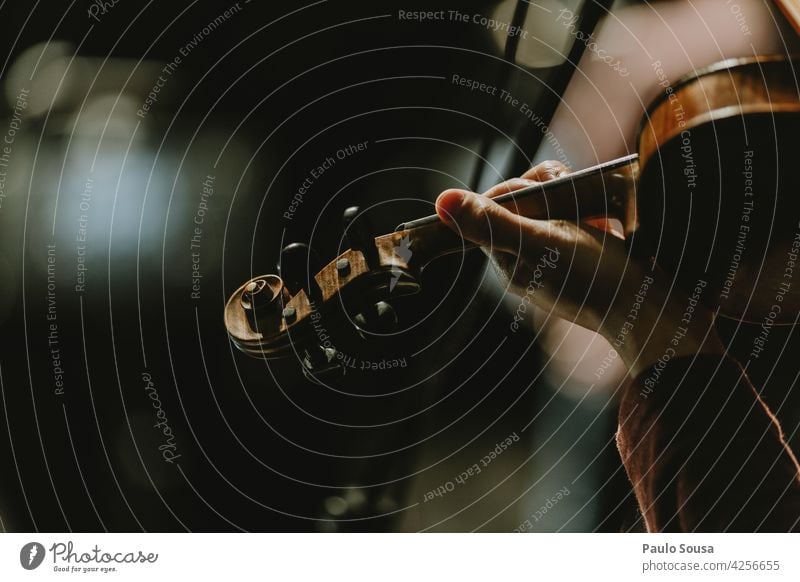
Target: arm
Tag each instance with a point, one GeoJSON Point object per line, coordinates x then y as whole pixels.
{"type": "Point", "coordinates": [703, 451]}
{"type": "Point", "coordinates": [700, 447]}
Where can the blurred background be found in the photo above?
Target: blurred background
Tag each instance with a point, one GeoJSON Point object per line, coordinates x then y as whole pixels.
{"type": "Point", "coordinates": [152, 156]}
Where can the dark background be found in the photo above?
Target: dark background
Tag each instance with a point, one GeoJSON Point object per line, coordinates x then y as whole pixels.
{"type": "Point", "coordinates": [258, 104]}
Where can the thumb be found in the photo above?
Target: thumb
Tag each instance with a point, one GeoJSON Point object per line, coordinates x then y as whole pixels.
{"type": "Point", "coordinates": [481, 220]}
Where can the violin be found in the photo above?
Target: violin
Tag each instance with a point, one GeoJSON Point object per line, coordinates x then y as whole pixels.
{"type": "Point", "coordinates": [711, 195]}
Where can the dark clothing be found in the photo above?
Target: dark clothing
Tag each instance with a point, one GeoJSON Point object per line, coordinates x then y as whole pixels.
{"type": "Point", "coordinates": [703, 451]}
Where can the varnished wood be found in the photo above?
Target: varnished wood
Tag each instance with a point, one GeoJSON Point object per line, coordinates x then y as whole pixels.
{"type": "Point", "coordinates": [732, 88]}
{"type": "Point", "coordinates": [719, 110]}
{"type": "Point", "coordinates": [791, 9]}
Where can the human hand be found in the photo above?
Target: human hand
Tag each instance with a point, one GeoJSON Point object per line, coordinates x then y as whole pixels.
{"type": "Point", "coordinates": [581, 273]}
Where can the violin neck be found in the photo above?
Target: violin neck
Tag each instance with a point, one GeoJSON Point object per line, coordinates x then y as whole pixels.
{"type": "Point", "coordinates": [606, 190]}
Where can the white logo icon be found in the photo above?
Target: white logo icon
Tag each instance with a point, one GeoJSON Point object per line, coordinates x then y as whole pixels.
{"type": "Point", "coordinates": [402, 250]}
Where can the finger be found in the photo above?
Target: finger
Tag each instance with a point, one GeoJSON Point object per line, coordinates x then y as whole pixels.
{"type": "Point", "coordinates": [508, 186]}
{"type": "Point", "coordinates": [540, 173]}
{"type": "Point", "coordinates": [608, 225]}
{"type": "Point", "coordinates": [545, 171]}
{"type": "Point", "coordinates": [536, 175]}
{"type": "Point", "coordinates": [483, 221]}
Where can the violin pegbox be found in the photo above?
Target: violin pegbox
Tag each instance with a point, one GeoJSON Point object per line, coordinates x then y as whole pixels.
{"type": "Point", "coordinates": [273, 316]}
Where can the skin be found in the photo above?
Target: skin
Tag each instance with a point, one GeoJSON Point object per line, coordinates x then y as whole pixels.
{"type": "Point", "coordinates": [594, 280]}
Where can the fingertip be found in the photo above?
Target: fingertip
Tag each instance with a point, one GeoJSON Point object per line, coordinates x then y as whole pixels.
{"type": "Point", "coordinates": [449, 203]}
{"type": "Point", "coordinates": [609, 225]}
{"type": "Point", "coordinates": [547, 170]}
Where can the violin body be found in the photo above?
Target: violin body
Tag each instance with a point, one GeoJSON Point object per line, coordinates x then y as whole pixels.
{"type": "Point", "coordinates": [719, 187]}
{"type": "Point", "coordinates": [712, 195]}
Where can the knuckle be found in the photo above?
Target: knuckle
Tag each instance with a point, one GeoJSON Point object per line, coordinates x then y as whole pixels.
{"type": "Point", "coordinates": [507, 186]}
{"type": "Point", "coordinates": [553, 168]}
{"type": "Point", "coordinates": [490, 219]}
{"type": "Point", "coordinates": [475, 218]}
{"type": "Point", "coordinates": [560, 224]}
{"type": "Point", "coordinates": [546, 170]}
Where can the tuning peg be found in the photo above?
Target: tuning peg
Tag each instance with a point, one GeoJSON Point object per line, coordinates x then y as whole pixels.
{"type": "Point", "coordinates": [379, 319]}
{"type": "Point", "coordinates": [297, 266]}
{"type": "Point", "coordinates": [321, 365]}
{"type": "Point", "coordinates": [262, 302]}
{"type": "Point", "coordinates": [358, 234]}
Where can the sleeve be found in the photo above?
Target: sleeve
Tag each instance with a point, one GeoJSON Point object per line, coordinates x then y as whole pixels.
{"type": "Point", "coordinates": [703, 451]}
